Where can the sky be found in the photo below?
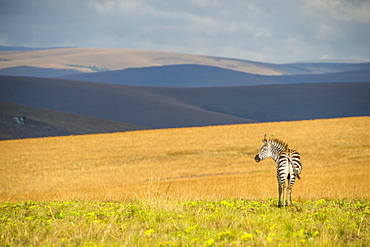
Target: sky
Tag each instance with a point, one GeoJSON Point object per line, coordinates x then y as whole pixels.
{"type": "Point", "coordinates": [276, 31]}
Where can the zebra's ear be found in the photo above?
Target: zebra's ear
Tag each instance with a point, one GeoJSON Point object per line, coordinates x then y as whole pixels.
{"type": "Point", "coordinates": [265, 139]}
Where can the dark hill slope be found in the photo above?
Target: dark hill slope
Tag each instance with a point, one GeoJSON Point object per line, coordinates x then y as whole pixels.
{"type": "Point", "coordinates": [184, 75]}
{"type": "Point", "coordinates": [191, 75]}
{"type": "Point", "coordinates": [278, 102]}
{"type": "Point", "coordinates": [113, 102]}
{"type": "Point", "coordinates": [37, 72]}
{"type": "Point", "coordinates": [155, 107]}
{"type": "Point", "coordinates": [43, 122]}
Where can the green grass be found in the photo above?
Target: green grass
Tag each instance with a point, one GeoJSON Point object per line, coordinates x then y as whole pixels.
{"type": "Point", "coordinates": [92, 68]}
{"type": "Point", "coordinates": [163, 222]}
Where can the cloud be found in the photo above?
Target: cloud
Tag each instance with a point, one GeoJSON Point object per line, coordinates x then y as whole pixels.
{"type": "Point", "coordinates": [326, 32]}
{"type": "Point", "coordinates": [346, 10]}
{"type": "Point", "coordinates": [206, 3]}
{"type": "Point", "coordinates": [256, 30]}
{"type": "Point", "coordinates": [117, 7]}
{"type": "Point", "coordinates": [264, 30]}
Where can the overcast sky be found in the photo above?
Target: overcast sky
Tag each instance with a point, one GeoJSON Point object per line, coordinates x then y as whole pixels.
{"type": "Point", "coordinates": [278, 31]}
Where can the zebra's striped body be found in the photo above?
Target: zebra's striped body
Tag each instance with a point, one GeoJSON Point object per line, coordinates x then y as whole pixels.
{"type": "Point", "coordinates": [288, 166]}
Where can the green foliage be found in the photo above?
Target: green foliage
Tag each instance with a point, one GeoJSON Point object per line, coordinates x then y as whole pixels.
{"type": "Point", "coordinates": [92, 68]}
{"type": "Point", "coordinates": [186, 223]}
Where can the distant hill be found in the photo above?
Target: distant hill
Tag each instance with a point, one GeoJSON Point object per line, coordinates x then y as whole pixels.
{"type": "Point", "coordinates": [156, 107]}
{"type": "Point", "coordinates": [113, 102]}
{"type": "Point", "coordinates": [192, 75]}
{"type": "Point", "coordinates": [321, 67]}
{"type": "Point", "coordinates": [118, 59]}
{"type": "Point", "coordinates": [184, 75]}
{"type": "Point", "coordinates": [25, 48]}
{"type": "Point", "coordinates": [43, 123]}
{"type": "Point", "coordinates": [37, 72]}
{"type": "Point", "coordinates": [272, 103]}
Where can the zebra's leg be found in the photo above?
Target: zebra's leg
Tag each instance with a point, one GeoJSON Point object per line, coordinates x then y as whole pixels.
{"type": "Point", "coordinates": [290, 186]}
{"type": "Point", "coordinates": [280, 192]}
{"type": "Point", "coordinates": [290, 195]}
{"type": "Point", "coordinates": [285, 198]}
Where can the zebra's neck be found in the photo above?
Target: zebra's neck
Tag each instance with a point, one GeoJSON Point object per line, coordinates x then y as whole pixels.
{"type": "Point", "coordinates": [277, 147]}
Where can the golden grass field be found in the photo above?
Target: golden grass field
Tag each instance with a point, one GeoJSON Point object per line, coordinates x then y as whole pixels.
{"type": "Point", "coordinates": [188, 163]}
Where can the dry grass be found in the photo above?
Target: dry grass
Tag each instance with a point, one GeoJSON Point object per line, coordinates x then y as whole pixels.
{"type": "Point", "coordinates": [188, 163]}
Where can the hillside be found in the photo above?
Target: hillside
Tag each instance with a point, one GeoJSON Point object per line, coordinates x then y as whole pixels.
{"type": "Point", "coordinates": [278, 102]}
{"type": "Point", "coordinates": [27, 48]}
{"type": "Point", "coordinates": [43, 123]}
{"type": "Point", "coordinates": [184, 75]}
{"type": "Point", "coordinates": [192, 75]}
{"type": "Point", "coordinates": [154, 107]}
{"type": "Point", "coordinates": [118, 59]}
{"type": "Point", "coordinates": [37, 72]}
{"type": "Point", "coordinates": [188, 163]}
{"type": "Point", "coordinates": [112, 102]}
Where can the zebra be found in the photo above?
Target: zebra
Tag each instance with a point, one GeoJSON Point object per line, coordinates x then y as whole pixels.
{"type": "Point", "coordinates": [288, 166]}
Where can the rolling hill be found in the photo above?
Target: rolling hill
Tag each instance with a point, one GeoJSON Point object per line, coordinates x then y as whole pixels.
{"type": "Point", "coordinates": [272, 103]}
{"type": "Point", "coordinates": [118, 59]}
{"type": "Point", "coordinates": [168, 90]}
{"type": "Point", "coordinates": [28, 48]}
{"type": "Point", "coordinates": [44, 123]}
{"type": "Point", "coordinates": [192, 75]}
{"type": "Point", "coordinates": [113, 102]}
{"type": "Point", "coordinates": [155, 107]}
{"type": "Point", "coordinates": [37, 72]}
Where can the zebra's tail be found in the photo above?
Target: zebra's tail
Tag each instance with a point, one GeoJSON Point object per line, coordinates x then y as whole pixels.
{"type": "Point", "coordinates": [296, 173]}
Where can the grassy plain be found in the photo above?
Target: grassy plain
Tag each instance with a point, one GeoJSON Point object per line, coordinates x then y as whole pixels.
{"type": "Point", "coordinates": [188, 163]}
{"type": "Point", "coordinates": [187, 187]}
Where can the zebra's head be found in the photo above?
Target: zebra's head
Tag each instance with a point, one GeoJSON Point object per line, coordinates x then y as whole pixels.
{"type": "Point", "coordinates": [265, 150]}
{"type": "Point", "coordinates": [270, 148]}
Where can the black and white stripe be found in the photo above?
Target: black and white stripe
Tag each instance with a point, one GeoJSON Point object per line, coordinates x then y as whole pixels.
{"type": "Point", "coordinates": [288, 166]}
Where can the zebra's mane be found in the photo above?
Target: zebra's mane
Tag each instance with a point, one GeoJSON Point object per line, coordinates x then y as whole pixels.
{"type": "Point", "coordinates": [279, 143]}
